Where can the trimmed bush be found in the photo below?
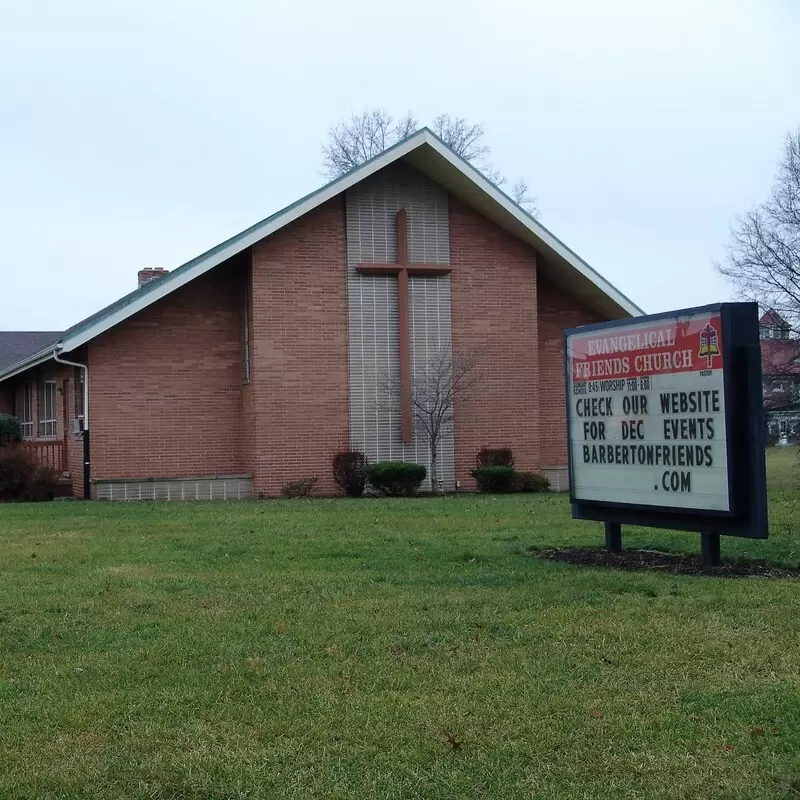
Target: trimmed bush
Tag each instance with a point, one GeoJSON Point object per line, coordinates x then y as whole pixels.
{"type": "Point", "coordinates": [495, 479]}
{"type": "Point", "coordinates": [10, 430]}
{"type": "Point", "coordinates": [494, 457]}
{"type": "Point", "coordinates": [532, 482]}
{"type": "Point", "coordinates": [350, 472]}
{"type": "Point", "coordinates": [396, 478]}
{"type": "Point", "coordinates": [301, 488]}
{"type": "Point", "coordinates": [22, 478]}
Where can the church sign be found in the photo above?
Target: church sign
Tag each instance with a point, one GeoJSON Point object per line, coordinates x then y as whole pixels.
{"type": "Point", "coordinates": [665, 421]}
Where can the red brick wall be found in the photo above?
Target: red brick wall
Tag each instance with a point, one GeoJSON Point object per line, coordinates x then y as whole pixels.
{"type": "Point", "coordinates": [494, 312]}
{"type": "Point", "coordinates": [165, 386]}
{"type": "Point", "coordinates": [557, 311]}
{"type": "Point", "coordinates": [250, 441]}
{"type": "Point", "coordinates": [6, 402]}
{"type": "Point", "coordinates": [299, 411]}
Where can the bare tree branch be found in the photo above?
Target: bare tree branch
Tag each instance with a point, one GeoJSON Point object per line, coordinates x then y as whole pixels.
{"type": "Point", "coordinates": [464, 138]}
{"type": "Point", "coordinates": [353, 141]}
{"type": "Point", "coordinates": [405, 126]}
{"type": "Point", "coordinates": [445, 380]}
{"type": "Point", "coordinates": [763, 258]}
{"type": "Point", "coordinates": [520, 193]}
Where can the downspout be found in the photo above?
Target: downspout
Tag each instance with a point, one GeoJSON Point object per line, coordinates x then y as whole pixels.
{"type": "Point", "coordinates": [87, 489]}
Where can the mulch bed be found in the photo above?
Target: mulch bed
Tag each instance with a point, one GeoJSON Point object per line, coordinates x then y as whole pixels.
{"type": "Point", "coordinates": [656, 561]}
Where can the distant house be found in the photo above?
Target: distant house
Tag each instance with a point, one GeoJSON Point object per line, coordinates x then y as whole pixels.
{"type": "Point", "coordinates": [252, 364]}
{"type": "Point", "coordinates": [780, 368]}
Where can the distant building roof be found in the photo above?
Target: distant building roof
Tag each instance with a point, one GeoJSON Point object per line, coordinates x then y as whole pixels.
{"type": "Point", "coordinates": [772, 319]}
{"type": "Point", "coordinates": [16, 346]}
{"type": "Point", "coordinates": [780, 357]}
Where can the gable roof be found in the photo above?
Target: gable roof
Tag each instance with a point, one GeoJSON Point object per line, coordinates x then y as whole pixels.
{"type": "Point", "coordinates": [772, 319]}
{"type": "Point", "coordinates": [429, 155]}
{"type": "Point", "coordinates": [780, 357]}
{"type": "Point", "coordinates": [16, 346]}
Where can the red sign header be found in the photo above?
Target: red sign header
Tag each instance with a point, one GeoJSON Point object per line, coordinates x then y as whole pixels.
{"type": "Point", "coordinates": [678, 345]}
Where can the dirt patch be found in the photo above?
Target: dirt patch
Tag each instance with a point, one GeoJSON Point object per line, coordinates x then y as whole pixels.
{"type": "Point", "coordinates": [657, 561]}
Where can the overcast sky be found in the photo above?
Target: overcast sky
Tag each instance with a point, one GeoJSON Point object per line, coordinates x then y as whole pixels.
{"type": "Point", "coordinates": [142, 133]}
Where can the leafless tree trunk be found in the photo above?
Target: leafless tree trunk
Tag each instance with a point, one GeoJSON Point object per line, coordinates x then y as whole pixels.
{"type": "Point", "coordinates": [763, 259]}
{"type": "Point", "coordinates": [447, 379]}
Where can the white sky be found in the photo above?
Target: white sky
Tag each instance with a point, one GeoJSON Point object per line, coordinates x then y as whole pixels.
{"type": "Point", "coordinates": [142, 133]}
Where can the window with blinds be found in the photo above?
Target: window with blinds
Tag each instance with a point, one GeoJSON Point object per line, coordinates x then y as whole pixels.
{"type": "Point", "coordinates": [47, 409]}
{"type": "Point", "coordinates": [24, 409]}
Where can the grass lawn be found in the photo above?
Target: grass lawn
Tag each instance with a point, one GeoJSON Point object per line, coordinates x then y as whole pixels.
{"type": "Point", "coordinates": [385, 649]}
{"type": "Point", "coordinates": [783, 467]}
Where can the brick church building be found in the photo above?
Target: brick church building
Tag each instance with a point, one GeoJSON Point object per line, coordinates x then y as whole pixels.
{"type": "Point", "coordinates": [252, 364]}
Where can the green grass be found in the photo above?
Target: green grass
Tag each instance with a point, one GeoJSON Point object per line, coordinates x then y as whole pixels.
{"type": "Point", "coordinates": [385, 649]}
{"type": "Point", "coordinates": [783, 467]}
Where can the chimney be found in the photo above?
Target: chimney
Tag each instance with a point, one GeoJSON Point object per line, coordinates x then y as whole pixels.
{"type": "Point", "coordinates": [149, 274]}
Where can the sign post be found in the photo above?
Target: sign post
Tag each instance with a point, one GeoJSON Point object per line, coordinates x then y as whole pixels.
{"type": "Point", "coordinates": [665, 424]}
{"type": "Point", "coordinates": [613, 537]}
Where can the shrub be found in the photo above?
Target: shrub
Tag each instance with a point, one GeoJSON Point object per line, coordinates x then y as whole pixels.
{"type": "Point", "coordinates": [350, 472]}
{"type": "Point", "coordinates": [532, 482]}
{"type": "Point", "coordinates": [22, 478]}
{"type": "Point", "coordinates": [300, 488]}
{"type": "Point", "coordinates": [495, 479]}
{"type": "Point", "coordinates": [396, 478]}
{"type": "Point", "coordinates": [494, 457]}
{"type": "Point", "coordinates": [10, 430]}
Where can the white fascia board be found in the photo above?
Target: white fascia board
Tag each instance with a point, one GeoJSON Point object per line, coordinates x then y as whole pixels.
{"type": "Point", "coordinates": [536, 228]}
{"type": "Point", "coordinates": [237, 244]}
{"type": "Point", "coordinates": [269, 226]}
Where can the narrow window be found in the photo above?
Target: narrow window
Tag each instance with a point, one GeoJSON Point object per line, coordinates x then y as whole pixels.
{"type": "Point", "coordinates": [246, 337]}
{"type": "Point", "coordinates": [47, 409]}
{"type": "Point", "coordinates": [24, 405]}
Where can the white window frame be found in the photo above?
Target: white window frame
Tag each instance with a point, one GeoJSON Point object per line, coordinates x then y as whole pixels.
{"type": "Point", "coordinates": [48, 417]}
{"type": "Point", "coordinates": [25, 410]}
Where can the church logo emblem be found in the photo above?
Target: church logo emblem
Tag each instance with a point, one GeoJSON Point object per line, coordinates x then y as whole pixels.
{"type": "Point", "coordinates": [709, 344]}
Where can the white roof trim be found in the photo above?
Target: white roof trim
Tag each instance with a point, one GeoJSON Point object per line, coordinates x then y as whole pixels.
{"type": "Point", "coordinates": [259, 232]}
{"type": "Point", "coordinates": [242, 241]}
{"type": "Point", "coordinates": [572, 258]}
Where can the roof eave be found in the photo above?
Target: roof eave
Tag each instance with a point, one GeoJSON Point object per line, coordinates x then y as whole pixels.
{"type": "Point", "coordinates": [30, 361]}
{"type": "Point", "coordinates": [605, 296]}
{"type": "Point", "coordinates": [543, 239]}
{"type": "Point", "coordinates": [237, 244]}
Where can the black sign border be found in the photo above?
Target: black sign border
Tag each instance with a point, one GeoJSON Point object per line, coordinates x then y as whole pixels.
{"type": "Point", "coordinates": [744, 425]}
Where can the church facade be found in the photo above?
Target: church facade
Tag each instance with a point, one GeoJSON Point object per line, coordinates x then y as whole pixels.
{"type": "Point", "coordinates": [253, 364]}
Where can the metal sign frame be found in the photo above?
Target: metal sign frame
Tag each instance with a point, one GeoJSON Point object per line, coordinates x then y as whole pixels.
{"type": "Point", "coordinates": [744, 427]}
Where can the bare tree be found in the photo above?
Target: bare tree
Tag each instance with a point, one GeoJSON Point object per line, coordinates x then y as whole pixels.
{"type": "Point", "coordinates": [763, 259]}
{"type": "Point", "coordinates": [363, 136]}
{"type": "Point", "coordinates": [462, 137]}
{"type": "Point", "coordinates": [405, 126]}
{"type": "Point", "coordinates": [447, 379]}
{"type": "Point", "coordinates": [520, 194]}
